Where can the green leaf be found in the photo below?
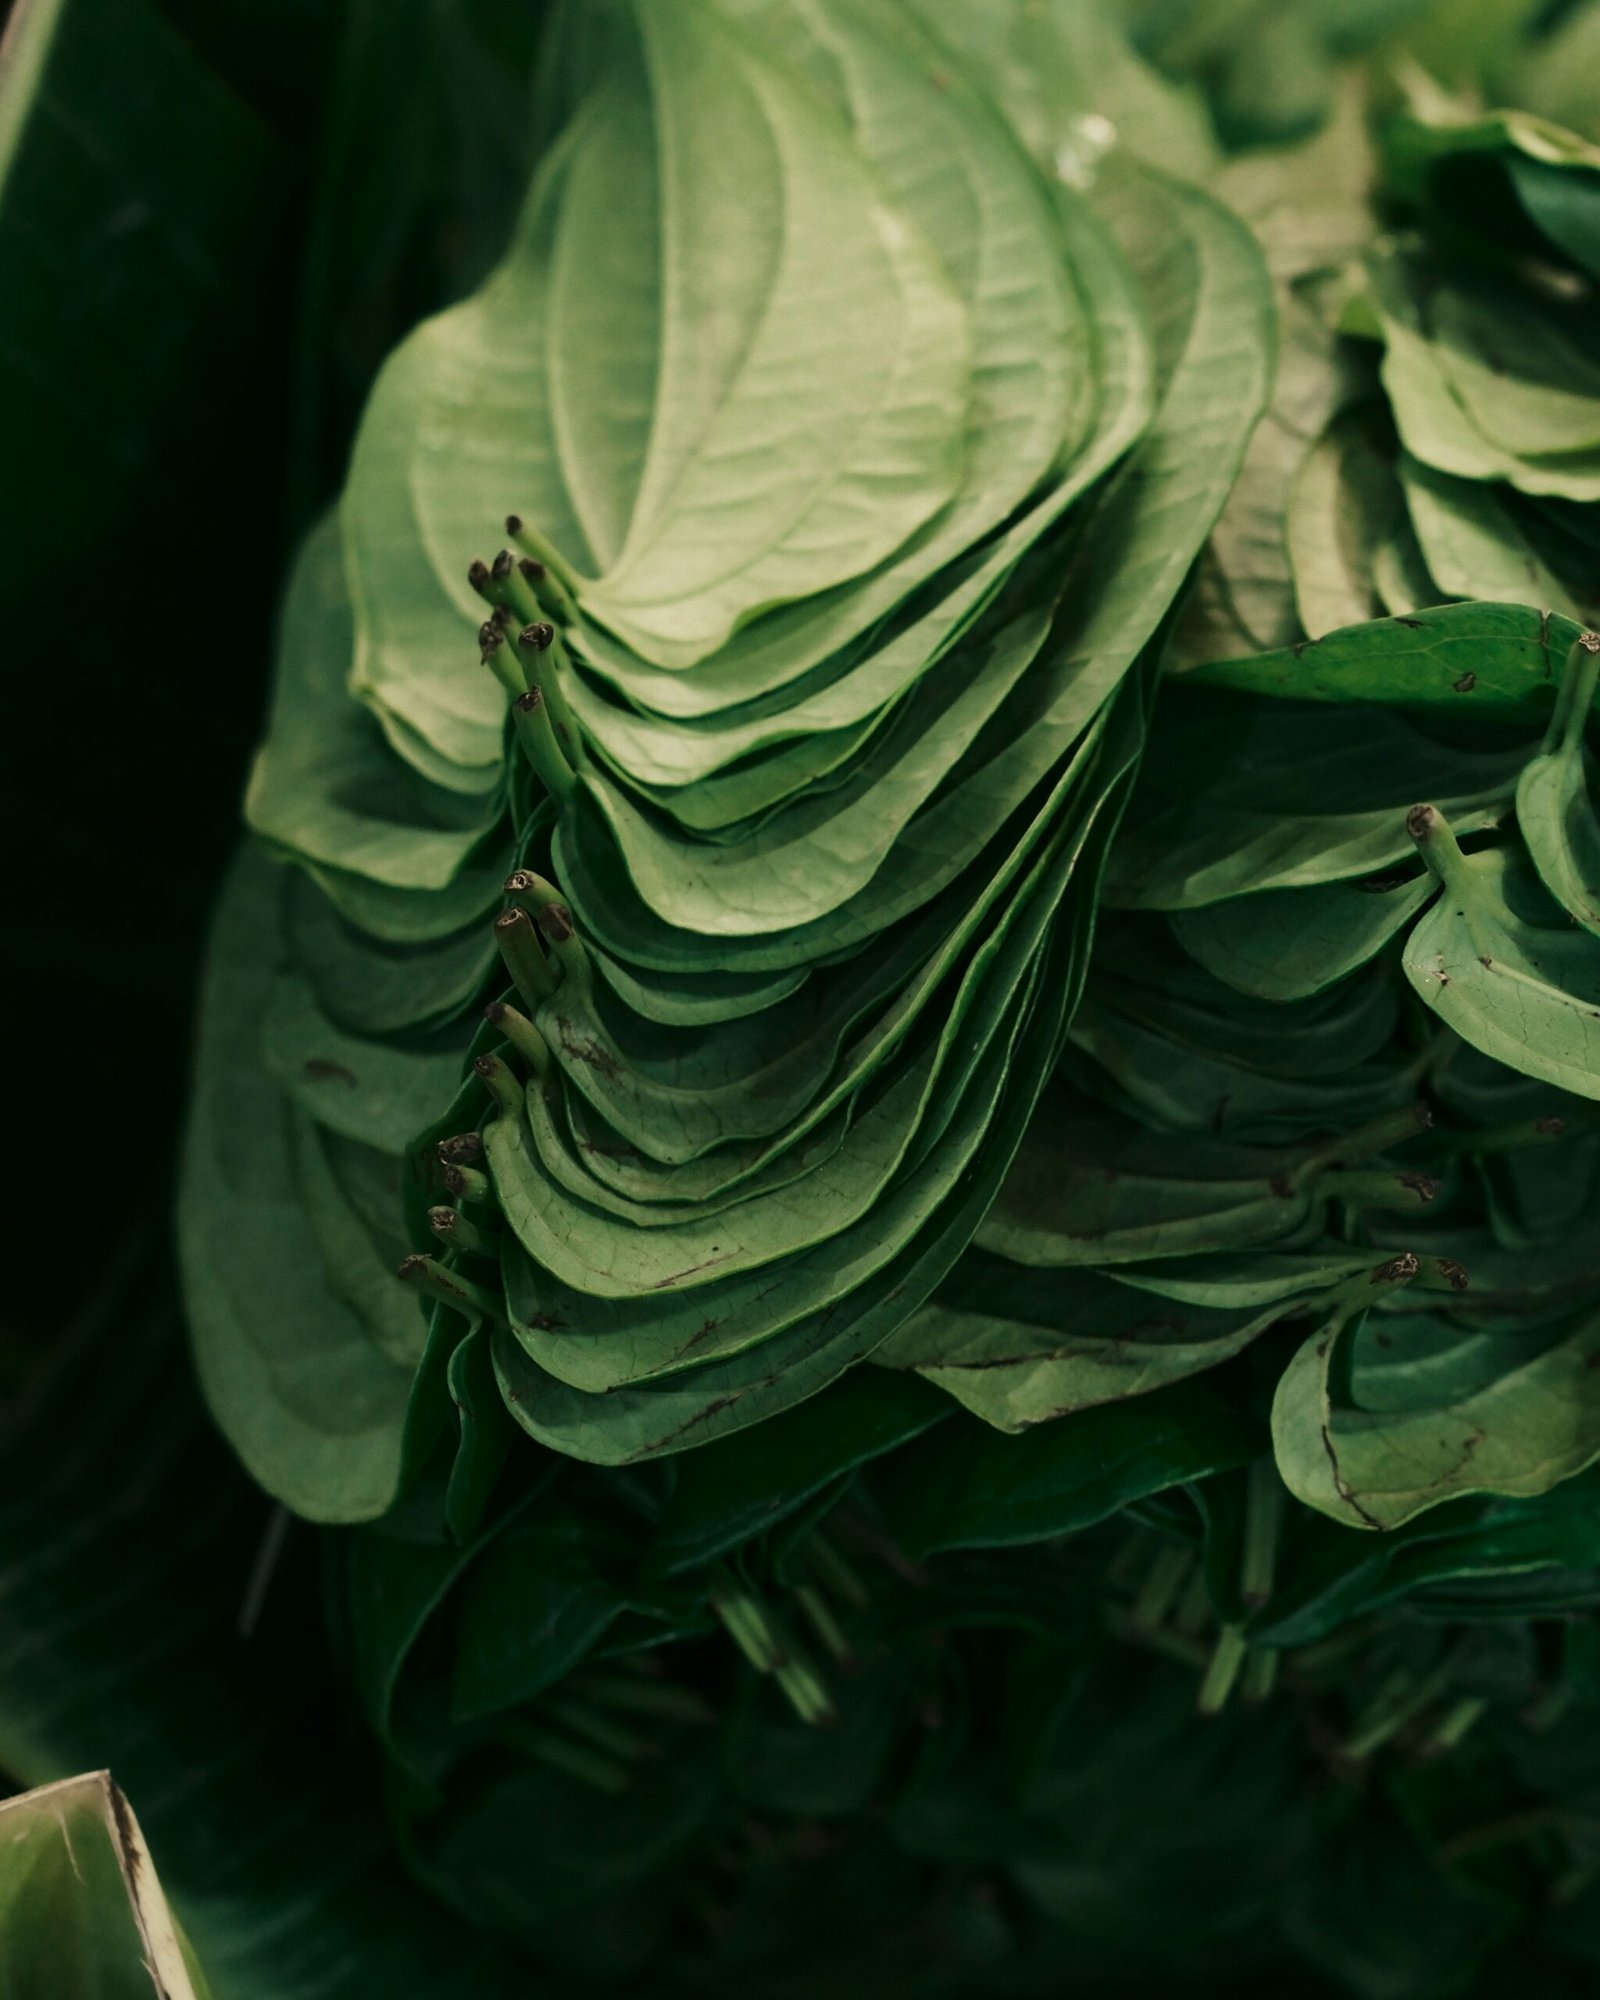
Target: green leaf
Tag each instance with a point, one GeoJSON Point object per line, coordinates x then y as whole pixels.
{"type": "Point", "coordinates": [1089, 1188]}
{"type": "Point", "coordinates": [1555, 815]}
{"type": "Point", "coordinates": [327, 789]}
{"type": "Point", "coordinates": [1287, 944]}
{"type": "Point", "coordinates": [967, 1486]}
{"type": "Point", "coordinates": [731, 1492]}
{"type": "Point", "coordinates": [1296, 796]}
{"type": "Point", "coordinates": [1309, 207]}
{"type": "Point", "coordinates": [773, 469]}
{"type": "Point", "coordinates": [309, 1399]}
{"type": "Point", "coordinates": [1490, 662]}
{"type": "Point", "coordinates": [1500, 962]}
{"type": "Point", "coordinates": [1432, 1411]}
{"type": "Point", "coordinates": [1019, 1349]}
{"type": "Point", "coordinates": [1474, 543]}
{"type": "Point", "coordinates": [1462, 405]}
{"type": "Point", "coordinates": [707, 1402]}
{"type": "Point", "coordinates": [1344, 504]}
{"type": "Point", "coordinates": [82, 1916]}
{"type": "Point", "coordinates": [1440, 1556]}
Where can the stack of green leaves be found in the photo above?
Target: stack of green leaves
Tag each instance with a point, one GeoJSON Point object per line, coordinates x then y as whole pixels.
{"type": "Point", "coordinates": [768, 829]}
{"type": "Point", "coordinates": [1327, 1124]}
{"type": "Point", "coordinates": [1433, 428]}
{"type": "Point", "coordinates": [670, 1153]}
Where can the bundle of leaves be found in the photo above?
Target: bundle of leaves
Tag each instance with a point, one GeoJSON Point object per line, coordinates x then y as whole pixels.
{"type": "Point", "coordinates": [895, 1125]}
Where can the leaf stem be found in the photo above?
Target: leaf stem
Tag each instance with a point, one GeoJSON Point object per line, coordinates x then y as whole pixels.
{"type": "Point", "coordinates": [1260, 1675]}
{"type": "Point", "coordinates": [1226, 1659]}
{"type": "Point", "coordinates": [826, 1626]}
{"type": "Point", "coordinates": [523, 1036]}
{"type": "Point", "coordinates": [468, 1184]}
{"type": "Point", "coordinates": [543, 551]}
{"type": "Point", "coordinates": [638, 1695]}
{"type": "Point", "coordinates": [833, 1571]}
{"type": "Point", "coordinates": [603, 1731]}
{"type": "Point", "coordinates": [458, 1232]}
{"type": "Point", "coordinates": [1394, 1128]}
{"type": "Point", "coordinates": [1163, 1581]}
{"type": "Point", "coordinates": [531, 715]}
{"type": "Point", "coordinates": [501, 659]}
{"type": "Point", "coordinates": [1370, 1189]}
{"type": "Point", "coordinates": [431, 1276]}
{"type": "Point", "coordinates": [523, 956]}
{"type": "Point", "coordinates": [1574, 697]}
{"type": "Point", "coordinates": [746, 1620]}
{"type": "Point", "coordinates": [1457, 1720]}
{"type": "Point", "coordinates": [560, 933]}
{"type": "Point", "coordinates": [1401, 1698]}
{"type": "Point", "coordinates": [501, 1084]}
{"type": "Point", "coordinates": [548, 655]}
{"type": "Point", "coordinates": [1263, 1520]}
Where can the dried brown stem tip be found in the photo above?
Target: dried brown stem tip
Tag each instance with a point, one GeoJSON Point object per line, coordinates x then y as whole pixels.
{"type": "Point", "coordinates": [464, 1150]}
{"type": "Point", "coordinates": [555, 920]}
{"type": "Point", "coordinates": [538, 638]}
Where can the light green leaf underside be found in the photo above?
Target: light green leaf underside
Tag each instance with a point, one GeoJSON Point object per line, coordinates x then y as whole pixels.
{"type": "Point", "coordinates": [309, 1400]}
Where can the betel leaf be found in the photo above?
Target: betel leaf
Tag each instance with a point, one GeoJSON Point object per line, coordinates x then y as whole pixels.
{"type": "Point", "coordinates": [1378, 1418]}
{"type": "Point", "coordinates": [82, 1915]}
{"type": "Point", "coordinates": [1457, 405]}
{"type": "Point", "coordinates": [1019, 1348]}
{"type": "Point", "coordinates": [398, 856]}
{"type": "Point", "coordinates": [1309, 206]}
{"type": "Point", "coordinates": [1286, 944]}
{"type": "Point", "coordinates": [1343, 506]}
{"type": "Point", "coordinates": [1449, 1549]}
{"type": "Point", "coordinates": [596, 1254]}
{"type": "Point", "coordinates": [773, 468]}
{"type": "Point", "coordinates": [307, 1396]}
{"type": "Point", "coordinates": [598, 1338]}
{"type": "Point", "coordinates": [1474, 543]}
{"type": "Point", "coordinates": [1498, 662]}
{"type": "Point", "coordinates": [733, 1491]}
{"type": "Point", "coordinates": [696, 1406]}
{"type": "Point", "coordinates": [1090, 1188]}
{"type": "Point", "coordinates": [1502, 963]}
{"type": "Point", "coordinates": [733, 704]}
{"type": "Point", "coordinates": [1298, 797]}
{"type": "Point", "coordinates": [1555, 814]}
{"type": "Point", "coordinates": [623, 437]}
{"type": "Point", "coordinates": [967, 1486]}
